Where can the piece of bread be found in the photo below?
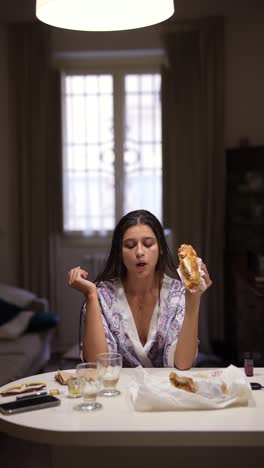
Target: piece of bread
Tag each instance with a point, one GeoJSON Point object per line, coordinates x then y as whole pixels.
{"type": "Point", "coordinates": [189, 266]}
{"type": "Point", "coordinates": [183, 383]}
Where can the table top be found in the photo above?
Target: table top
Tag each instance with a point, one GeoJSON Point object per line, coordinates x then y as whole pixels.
{"type": "Point", "coordinates": [118, 424]}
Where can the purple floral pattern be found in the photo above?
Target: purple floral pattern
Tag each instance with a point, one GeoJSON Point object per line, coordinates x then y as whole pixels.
{"type": "Point", "coordinates": [167, 329]}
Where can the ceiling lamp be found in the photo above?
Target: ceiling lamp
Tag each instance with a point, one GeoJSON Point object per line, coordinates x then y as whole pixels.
{"type": "Point", "coordinates": [103, 15]}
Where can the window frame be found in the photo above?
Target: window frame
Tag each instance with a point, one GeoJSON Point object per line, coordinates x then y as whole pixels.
{"type": "Point", "coordinates": [116, 63]}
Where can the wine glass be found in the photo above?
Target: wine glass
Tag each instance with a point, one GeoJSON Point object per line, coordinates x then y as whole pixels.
{"type": "Point", "coordinates": [90, 385]}
{"type": "Point", "coordinates": [109, 367]}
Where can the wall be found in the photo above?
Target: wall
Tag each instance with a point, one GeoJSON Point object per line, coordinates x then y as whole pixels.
{"type": "Point", "coordinates": [64, 40]}
{"type": "Point", "coordinates": [8, 244]}
{"type": "Point", "coordinates": [245, 78]}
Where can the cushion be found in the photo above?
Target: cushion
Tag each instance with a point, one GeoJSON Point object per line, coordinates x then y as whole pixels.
{"type": "Point", "coordinates": [15, 327]}
{"type": "Point", "coordinates": [38, 321]}
{"type": "Point", "coordinates": [42, 321]}
{"type": "Point", "coordinates": [8, 311]}
{"type": "Point", "coordinates": [18, 296]}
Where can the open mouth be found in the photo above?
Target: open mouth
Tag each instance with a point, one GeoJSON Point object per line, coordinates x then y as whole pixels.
{"type": "Point", "coordinates": [141, 264]}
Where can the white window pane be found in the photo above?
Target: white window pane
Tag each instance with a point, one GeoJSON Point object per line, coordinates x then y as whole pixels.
{"type": "Point", "coordinates": [106, 118]}
{"type": "Point", "coordinates": [147, 128]}
{"type": "Point", "coordinates": [79, 158]}
{"type": "Point", "coordinates": [142, 155]}
{"type": "Point", "coordinates": [132, 117]}
{"type": "Point", "coordinates": [77, 84]}
{"type": "Point", "coordinates": [68, 134]}
{"type": "Point", "coordinates": [131, 157]}
{"type": "Point", "coordinates": [68, 84]}
{"type": "Point", "coordinates": [92, 112]}
{"type": "Point", "coordinates": [131, 83]}
{"type": "Point", "coordinates": [157, 82]}
{"type": "Point", "coordinates": [139, 193]}
{"type": "Point", "coordinates": [78, 119]}
{"type": "Point", "coordinates": [146, 83]}
{"type": "Point", "coordinates": [91, 84]}
{"type": "Point", "coordinates": [105, 84]}
{"type": "Point", "coordinates": [89, 184]}
{"type": "Point", "coordinates": [151, 157]}
{"type": "Point", "coordinates": [89, 201]}
{"type": "Point", "coordinates": [157, 121]}
{"type": "Point", "coordinates": [93, 162]}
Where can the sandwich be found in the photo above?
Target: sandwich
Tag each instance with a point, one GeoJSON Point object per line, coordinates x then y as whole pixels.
{"type": "Point", "coordinates": [188, 267]}
{"type": "Point", "coordinates": [183, 383]}
{"type": "Point", "coordinates": [204, 386]}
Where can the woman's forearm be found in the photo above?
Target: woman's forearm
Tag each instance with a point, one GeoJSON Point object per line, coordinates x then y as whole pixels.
{"type": "Point", "coordinates": [186, 348]}
{"type": "Point", "coordinates": [94, 341]}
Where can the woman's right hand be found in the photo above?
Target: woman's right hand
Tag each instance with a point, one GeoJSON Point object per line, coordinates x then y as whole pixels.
{"type": "Point", "coordinates": [78, 279]}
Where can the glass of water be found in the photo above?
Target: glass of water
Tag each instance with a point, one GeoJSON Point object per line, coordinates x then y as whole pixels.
{"type": "Point", "coordinates": [90, 385]}
{"type": "Point", "coordinates": [109, 366]}
{"type": "Point", "coordinates": [74, 388]}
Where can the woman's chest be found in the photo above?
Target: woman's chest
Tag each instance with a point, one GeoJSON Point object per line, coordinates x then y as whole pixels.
{"type": "Point", "coordinates": [142, 312]}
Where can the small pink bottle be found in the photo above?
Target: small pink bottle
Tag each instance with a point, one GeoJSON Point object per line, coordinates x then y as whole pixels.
{"type": "Point", "coordinates": [248, 364]}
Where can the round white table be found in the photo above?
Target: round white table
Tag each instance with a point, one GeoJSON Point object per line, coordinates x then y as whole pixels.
{"type": "Point", "coordinates": [117, 434]}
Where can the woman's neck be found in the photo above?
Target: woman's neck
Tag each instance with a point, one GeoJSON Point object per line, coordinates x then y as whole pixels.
{"type": "Point", "coordinates": [135, 286]}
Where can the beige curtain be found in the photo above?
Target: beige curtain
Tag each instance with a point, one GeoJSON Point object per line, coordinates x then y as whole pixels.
{"type": "Point", "coordinates": [193, 152]}
{"type": "Point", "coordinates": [35, 140]}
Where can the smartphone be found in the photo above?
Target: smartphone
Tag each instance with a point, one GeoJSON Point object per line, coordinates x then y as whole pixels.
{"type": "Point", "coordinates": [29, 404]}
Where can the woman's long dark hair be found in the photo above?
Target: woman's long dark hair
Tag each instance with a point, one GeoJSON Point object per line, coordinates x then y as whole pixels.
{"type": "Point", "coordinates": [114, 266]}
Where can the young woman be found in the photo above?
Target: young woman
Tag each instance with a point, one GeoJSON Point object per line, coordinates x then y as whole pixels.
{"type": "Point", "coordinates": [134, 307]}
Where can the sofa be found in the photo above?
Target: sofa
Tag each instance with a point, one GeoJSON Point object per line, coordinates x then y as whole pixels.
{"type": "Point", "coordinates": [26, 331]}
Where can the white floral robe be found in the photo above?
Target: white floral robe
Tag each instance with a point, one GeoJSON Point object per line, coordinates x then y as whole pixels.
{"type": "Point", "coordinates": [120, 328]}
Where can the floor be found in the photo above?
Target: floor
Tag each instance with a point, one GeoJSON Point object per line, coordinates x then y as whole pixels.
{"type": "Point", "coordinates": [18, 453]}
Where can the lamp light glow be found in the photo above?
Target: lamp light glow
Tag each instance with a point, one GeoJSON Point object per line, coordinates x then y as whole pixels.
{"type": "Point", "coordinates": [103, 15]}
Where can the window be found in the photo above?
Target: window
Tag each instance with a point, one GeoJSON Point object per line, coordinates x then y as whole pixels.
{"type": "Point", "coordinates": [112, 159]}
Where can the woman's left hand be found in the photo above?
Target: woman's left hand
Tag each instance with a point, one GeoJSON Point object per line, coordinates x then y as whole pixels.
{"type": "Point", "coordinates": [206, 277]}
{"type": "Point", "coordinates": [207, 282]}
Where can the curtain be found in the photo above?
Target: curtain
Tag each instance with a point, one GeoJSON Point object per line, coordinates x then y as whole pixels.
{"type": "Point", "coordinates": [34, 92]}
{"type": "Point", "coordinates": [193, 156]}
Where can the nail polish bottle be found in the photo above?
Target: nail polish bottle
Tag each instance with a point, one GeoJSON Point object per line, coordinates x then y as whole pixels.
{"type": "Point", "coordinates": [248, 364]}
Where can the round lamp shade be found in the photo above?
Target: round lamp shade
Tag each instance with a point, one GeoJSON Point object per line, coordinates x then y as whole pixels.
{"type": "Point", "coordinates": [103, 15]}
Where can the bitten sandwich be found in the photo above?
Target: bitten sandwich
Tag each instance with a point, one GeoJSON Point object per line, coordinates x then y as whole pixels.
{"type": "Point", "coordinates": [183, 383]}
{"type": "Point", "coordinates": [189, 266]}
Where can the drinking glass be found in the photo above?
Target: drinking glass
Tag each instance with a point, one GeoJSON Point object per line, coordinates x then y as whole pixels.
{"type": "Point", "coordinates": [74, 387]}
{"type": "Point", "coordinates": [109, 366]}
{"type": "Point", "coordinates": [90, 385]}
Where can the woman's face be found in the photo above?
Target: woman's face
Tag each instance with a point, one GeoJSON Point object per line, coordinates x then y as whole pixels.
{"type": "Point", "coordinates": [140, 250]}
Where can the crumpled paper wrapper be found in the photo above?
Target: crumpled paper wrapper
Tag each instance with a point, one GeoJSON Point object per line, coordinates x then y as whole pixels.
{"type": "Point", "coordinates": [151, 393]}
{"type": "Point", "coordinates": [202, 284]}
